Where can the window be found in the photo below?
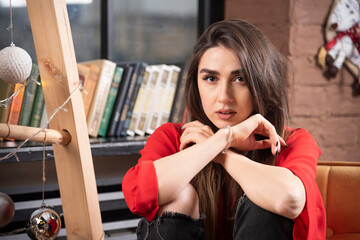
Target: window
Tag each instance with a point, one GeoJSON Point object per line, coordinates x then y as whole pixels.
{"type": "Point", "coordinates": [153, 31]}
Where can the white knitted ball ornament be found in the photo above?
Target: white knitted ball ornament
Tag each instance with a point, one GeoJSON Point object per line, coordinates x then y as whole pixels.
{"type": "Point", "coordinates": [15, 64]}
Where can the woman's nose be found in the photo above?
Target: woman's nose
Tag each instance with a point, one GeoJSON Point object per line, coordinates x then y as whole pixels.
{"type": "Point", "coordinates": [224, 93]}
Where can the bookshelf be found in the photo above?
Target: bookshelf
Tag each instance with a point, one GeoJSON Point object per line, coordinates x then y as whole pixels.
{"type": "Point", "coordinates": [100, 147]}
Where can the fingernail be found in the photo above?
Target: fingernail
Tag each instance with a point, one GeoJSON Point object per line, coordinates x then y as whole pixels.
{"type": "Point", "coordinates": [277, 143]}
{"type": "Point", "coordinates": [286, 145]}
{"type": "Point", "coordinates": [276, 153]}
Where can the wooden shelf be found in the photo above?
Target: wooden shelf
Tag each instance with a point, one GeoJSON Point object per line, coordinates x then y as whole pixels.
{"type": "Point", "coordinates": [100, 147]}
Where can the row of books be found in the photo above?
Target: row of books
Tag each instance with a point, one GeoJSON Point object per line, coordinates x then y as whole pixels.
{"type": "Point", "coordinates": [124, 99]}
{"type": "Point", "coordinates": [28, 106]}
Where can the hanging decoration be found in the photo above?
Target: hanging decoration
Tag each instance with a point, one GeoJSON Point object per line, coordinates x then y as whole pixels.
{"type": "Point", "coordinates": [44, 224]}
{"type": "Point", "coordinates": [7, 209]}
{"type": "Point", "coordinates": [15, 62]}
{"type": "Point", "coordinates": [342, 41]}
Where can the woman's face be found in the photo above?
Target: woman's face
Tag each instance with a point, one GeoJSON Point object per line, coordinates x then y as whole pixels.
{"type": "Point", "coordinates": [225, 96]}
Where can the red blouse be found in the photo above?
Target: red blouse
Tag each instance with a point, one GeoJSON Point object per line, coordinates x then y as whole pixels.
{"type": "Point", "coordinates": [140, 186]}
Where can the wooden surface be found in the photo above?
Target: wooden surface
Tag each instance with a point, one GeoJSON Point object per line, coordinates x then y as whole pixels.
{"type": "Point", "coordinates": [22, 133]}
{"type": "Point", "coordinates": [57, 64]}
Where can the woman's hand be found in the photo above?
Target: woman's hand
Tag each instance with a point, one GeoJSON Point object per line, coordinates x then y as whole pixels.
{"type": "Point", "coordinates": [243, 137]}
{"type": "Point", "coordinates": [194, 132]}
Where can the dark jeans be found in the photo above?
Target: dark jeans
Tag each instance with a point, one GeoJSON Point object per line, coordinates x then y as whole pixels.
{"type": "Point", "coordinates": [251, 223]}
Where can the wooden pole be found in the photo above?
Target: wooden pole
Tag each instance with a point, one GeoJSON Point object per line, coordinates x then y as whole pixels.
{"type": "Point", "coordinates": [57, 64]}
{"type": "Point", "coordinates": [18, 132]}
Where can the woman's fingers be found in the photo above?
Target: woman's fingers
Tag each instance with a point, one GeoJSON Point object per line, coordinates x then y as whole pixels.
{"type": "Point", "coordinates": [193, 137]}
{"type": "Point", "coordinates": [276, 140]}
{"type": "Point", "coordinates": [194, 132]}
{"type": "Point", "coordinates": [257, 124]}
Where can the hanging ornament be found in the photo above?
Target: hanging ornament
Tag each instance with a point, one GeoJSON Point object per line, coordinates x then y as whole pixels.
{"type": "Point", "coordinates": [44, 224]}
{"type": "Point", "coordinates": [15, 64]}
{"type": "Point", "coordinates": [7, 209]}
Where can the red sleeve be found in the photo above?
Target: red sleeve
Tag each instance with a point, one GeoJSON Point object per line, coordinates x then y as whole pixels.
{"type": "Point", "coordinates": [140, 185]}
{"type": "Point", "coordinates": [301, 158]}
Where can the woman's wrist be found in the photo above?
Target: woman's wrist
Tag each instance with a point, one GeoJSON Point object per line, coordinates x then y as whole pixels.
{"type": "Point", "coordinates": [229, 138]}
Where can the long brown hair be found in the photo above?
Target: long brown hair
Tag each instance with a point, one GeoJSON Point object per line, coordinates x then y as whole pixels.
{"type": "Point", "coordinates": [265, 71]}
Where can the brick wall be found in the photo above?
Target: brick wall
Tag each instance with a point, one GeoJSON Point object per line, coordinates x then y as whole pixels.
{"type": "Point", "coordinates": [326, 108]}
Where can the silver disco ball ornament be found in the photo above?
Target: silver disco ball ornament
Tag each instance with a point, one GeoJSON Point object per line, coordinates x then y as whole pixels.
{"type": "Point", "coordinates": [7, 209]}
{"type": "Point", "coordinates": [44, 224]}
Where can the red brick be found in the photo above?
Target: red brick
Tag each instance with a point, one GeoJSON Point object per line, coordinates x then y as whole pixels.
{"type": "Point", "coordinates": [258, 11]}
{"type": "Point", "coordinates": [278, 34]}
{"type": "Point", "coordinates": [343, 153]}
{"type": "Point", "coordinates": [340, 131]}
{"type": "Point", "coordinates": [309, 11]}
{"type": "Point", "coordinates": [307, 71]}
{"type": "Point", "coordinates": [346, 76]}
{"type": "Point", "coordinates": [305, 40]}
{"type": "Point", "coordinates": [341, 101]}
{"type": "Point", "coordinates": [309, 123]}
{"type": "Point", "coordinates": [309, 101]}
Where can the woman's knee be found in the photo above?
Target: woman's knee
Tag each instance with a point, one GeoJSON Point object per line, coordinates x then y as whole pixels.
{"type": "Point", "coordinates": [253, 222]}
{"type": "Point", "coordinates": [187, 202]}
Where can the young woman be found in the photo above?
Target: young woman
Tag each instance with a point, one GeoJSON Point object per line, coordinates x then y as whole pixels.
{"type": "Point", "coordinates": [234, 171]}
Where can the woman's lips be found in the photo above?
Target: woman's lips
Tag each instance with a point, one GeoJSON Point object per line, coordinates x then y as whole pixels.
{"type": "Point", "coordinates": [225, 114]}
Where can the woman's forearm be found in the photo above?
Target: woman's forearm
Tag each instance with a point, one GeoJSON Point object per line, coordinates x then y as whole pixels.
{"type": "Point", "coordinates": [273, 188]}
{"type": "Point", "coordinates": [176, 171]}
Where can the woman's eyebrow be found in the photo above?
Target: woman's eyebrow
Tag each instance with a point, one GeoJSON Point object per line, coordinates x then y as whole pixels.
{"type": "Point", "coordinates": [235, 72]}
{"type": "Point", "coordinates": [205, 70]}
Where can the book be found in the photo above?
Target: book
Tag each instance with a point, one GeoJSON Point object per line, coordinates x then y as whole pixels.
{"type": "Point", "coordinates": [156, 105]}
{"type": "Point", "coordinates": [107, 69]}
{"type": "Point", "coordinates": [149, 96]}
{"type": "Point", "coordinates": [6, 89]}
{"type": "Point", "coordinates": [29, 97]}
{"type": "Point", "coordinates": [16, 104]}
{"type": "Point", "coordinates": [140, 99]}
{"type": "Point", "coordinates": [136, 79]}
{"type": "Point", "coordinates": [110, 101]}
{"type": "Point", "coordinates": [88, 75]}
{"type": "Point", "coordinates": [169, 95]}
{"type": "Point", "coordinates": [44, 119]}
{"type": "Point", "coordinates": [38, 106]}
{"type": "Point", "coordinates": [120, 99]}
{"type": "Point", "coordinates": [178, 108]}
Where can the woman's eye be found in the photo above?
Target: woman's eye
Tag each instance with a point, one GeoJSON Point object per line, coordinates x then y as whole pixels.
{"type": "Point", "coordinates": [210, 78]}
{"type": "Point", "coordinates": [239, 79]}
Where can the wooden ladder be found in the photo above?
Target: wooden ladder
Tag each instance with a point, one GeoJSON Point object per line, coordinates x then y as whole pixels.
{"type": "Point", "coordinates": [59, 76]}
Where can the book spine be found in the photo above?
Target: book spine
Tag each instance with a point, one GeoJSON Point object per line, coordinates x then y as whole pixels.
{"type": "Point", "coordinates": [120, 100]}
{"type": "Point", "coordinates": [5, 91]}
{"type": "Point", "coordinates": [178, 107]}
{"type": "Point", "coordinates": [99, 101]}
{"type": "Point", "coordinates": [15, 106]}
{"type": "Point", "coordinates": [44, 119]}
{"type": "Point", "coordinates": [139, 102]}
{"type": "Point", "coordinates": [156, 108]}
{"type": "Point", "coordinates": [169, 95]}
{"type": "Point", "coordinates": [139, 79]}
{"type": "Point", "coordinates": [110, 101]}
{"type": "Point", "coordinates": [29, 97]}
{"type": "Point", "coordinates": [90, 86]}
{"type": "Point", "coordinates": [126, 105]}
{"type": "Point", "coordinates": [38, 107]}
{"type": "Point", "coordinates": [149, 96]}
